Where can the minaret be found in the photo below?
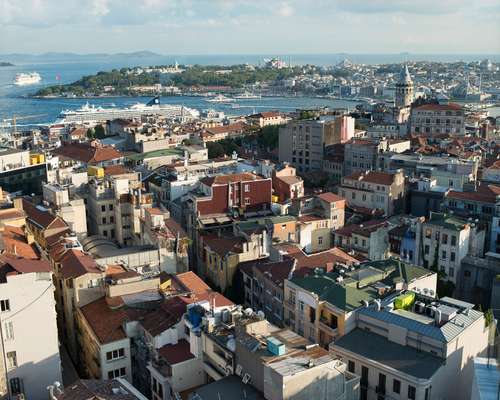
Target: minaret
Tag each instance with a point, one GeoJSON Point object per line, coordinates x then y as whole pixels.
{"type": "Point", "coordinates": [404, 88]}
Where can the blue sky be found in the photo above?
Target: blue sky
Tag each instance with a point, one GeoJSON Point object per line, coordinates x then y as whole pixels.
{"type": "Point", "coordinates": [250, 26]}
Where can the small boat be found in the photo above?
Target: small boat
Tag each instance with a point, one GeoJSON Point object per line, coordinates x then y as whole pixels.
{"type": "Point", "coordinates": [247, 96]}
{"type": "Point", "coordinates": [220, 99]}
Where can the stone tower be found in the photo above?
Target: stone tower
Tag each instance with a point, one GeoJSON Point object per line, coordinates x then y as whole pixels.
{"type": "Point", "coordinates": [404, 88]}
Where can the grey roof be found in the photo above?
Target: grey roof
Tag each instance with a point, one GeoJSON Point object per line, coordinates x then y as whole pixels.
{"type": "Point", "coordinates": [487, 377]}
{"type": "Point", "coordinates": [230, 387]}
{"type": "Point", "coordinates": [402, 358]}
{"type": "Point", "coordinates": [445, 333]}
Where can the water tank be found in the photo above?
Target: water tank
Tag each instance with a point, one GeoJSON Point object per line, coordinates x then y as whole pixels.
{"type": "Point", "coordinates": [275, 347]}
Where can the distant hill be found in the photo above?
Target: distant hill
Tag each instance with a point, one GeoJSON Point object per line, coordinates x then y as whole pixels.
{"type": "Point", "coordinates": [6, 64]}
{"type": "Point", "coordinates": [71, 57]}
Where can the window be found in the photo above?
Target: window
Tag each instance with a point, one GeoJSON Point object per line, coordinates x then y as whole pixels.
{"type": "Point", "coordinates": [105, 233]}
{"type": "Point", "coordinates": [9, 330]}
{"type": "Point", "coordinates": [452, 256]}
{"type": "Point", "coordinates": [111, 220]}
{"type": "Point", "coordinates": [351, 366]}
{"type": "Point", "coordinates": [117, 373]}
{"type": "Point", "coordinates": [412, 392]}
{"type": "Point", "coordinates": [451, 272]}
{"type": "Point", "coordinates": [4, 305]}
{"type": "Point", "coordinates": [428, 233]}
{"type": "Point", "coordinates": [444, 238]}
{"type": "Point", "coordinates": [104, 221]}
{"type": "Point", "coordinates": [110, 207]}
{"type": "Point", "coordinates": [453, 240]}
{"type": "Point", "coordinates": [103, 208]}
{"type": "Point", "coordinates": [15, 386]}
{"type": "Point", "coordinates": [396, 386]}
{"type": "Point", "coordinates": [467, 273]}
{"type": "Point", "coordinates": [247, 201]}
{"type": "Point", "coordinates": [427, 392]}
{"type": "Point", "coordinates": [426, 249]}
{"type": "Point", "coordinates": [113, 355]}
{"type": "Point", "coordinates": [320, 240]}
{"type": "Point", "coordinates": [11, 359]}
{"type": "Point", "coordinates": [443, 255]}
{"type": "Point", "coordinates": [247, 188]}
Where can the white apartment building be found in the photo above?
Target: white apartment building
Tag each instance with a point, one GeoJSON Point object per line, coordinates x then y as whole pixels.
{"type": "Point", "coordinates": [29, 329]}
{"type": "Point", "coordinates": [445, 242]}
{"type": "Point", "coordinates": [423, 350]}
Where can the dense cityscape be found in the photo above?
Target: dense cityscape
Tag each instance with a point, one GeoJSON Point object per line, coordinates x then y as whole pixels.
{"type": "Point", "coordinates": [272, 230]}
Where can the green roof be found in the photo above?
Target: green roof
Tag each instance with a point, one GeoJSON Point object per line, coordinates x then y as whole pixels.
{"type": "Point", "coordinates": [256, 222]}
{"type": "Point", "coordinates": [447, 221]}
{"type": "Point", "coordinates": [154, 154]}
{"type": "Point", "coordinates": [355, 286]}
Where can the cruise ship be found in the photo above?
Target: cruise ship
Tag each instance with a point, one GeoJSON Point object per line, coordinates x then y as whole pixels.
{"type": "Point", "coordinates": [90, 113]}
{"type": "Point", "coordinates": [27, 79]}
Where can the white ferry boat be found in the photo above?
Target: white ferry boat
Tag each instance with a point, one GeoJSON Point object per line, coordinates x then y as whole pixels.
{"type": "Point", "coordinates": [27, 79]}
{"type": "Point", "coordinates": [247, 96]}
{"type": "Point", "coordinates": [220, 99]}
{"type": "Point", "coordinates": [91, 113]}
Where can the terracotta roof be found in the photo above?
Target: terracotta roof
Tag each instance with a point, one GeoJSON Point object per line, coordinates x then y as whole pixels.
{"type": "Point", "coordinates": [237, 127]}
{"type": "Point", "coordinates": [290, 179]}
{"type": "Point", "coordinates": [266, 114]}
{"type": "Point", "coordinates": [87, 153]}
{"type": "Point", "coordinates": [379, 178]}
{"type": "Point", "coordinates": [440, 107]}
{"type": "Point", "coordinates": [106, 323]}
{"type": "Point", "coordinates": [11, 213]}
{"type": "Point", "coordinates": [330, 197]}
{"type": "Point", "coordinates": [15, 243]}
{"type": "Point", "coordinates": [116, 170]}
{"type": "Point", "coordinates": [168, 314]}
{"type": "Point", "coordinates": [485, 194]}
{"type": "Point", "coordinates": [24, 265]}
{"type": "Point", "coordinates": [232, 178]}
{"type": "Point", "coordinates": [38, 216]}
{"type": "Point", "coordinates": [176, 353]}
{"type": "Point", "coordinates": [202, 291]}
{"type": "Point", "coordinates": [223, 245]}
{"type": "Point", "coordinates": [75, 263]}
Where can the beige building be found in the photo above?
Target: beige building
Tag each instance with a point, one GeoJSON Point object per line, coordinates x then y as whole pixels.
{"type": "Point", "coordinates": [438, 119]}
{"type": "Point", "coordinates": [375, 191]}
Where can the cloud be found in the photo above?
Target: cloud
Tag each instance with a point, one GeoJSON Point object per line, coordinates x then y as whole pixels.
{"type": "Point", "coordinates": [99, 8]}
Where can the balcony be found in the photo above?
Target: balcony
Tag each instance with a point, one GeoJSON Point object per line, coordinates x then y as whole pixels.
{"type": "Point", "coordinates": [328, 327]}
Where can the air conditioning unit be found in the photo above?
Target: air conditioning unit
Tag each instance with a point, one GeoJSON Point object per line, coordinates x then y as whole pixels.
{"type": "Point", "coordinates": [239, 369]}
{"type": "Point", "coordinates": [228, 370]}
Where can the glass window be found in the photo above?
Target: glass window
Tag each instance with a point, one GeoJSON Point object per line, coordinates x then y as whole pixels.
{"type": "Point", "coordinates": [412, 392]}
{"type": "Point", "coordinates": [453, 240]}
{"type": "Point", "coordinates": [351, 366]}
{"type": "Point", "coordinates": [11, 359]}
{"type": "Point", "coordinates": [396, 386]}
{"type": "Point", "coordinates": [4, 305]}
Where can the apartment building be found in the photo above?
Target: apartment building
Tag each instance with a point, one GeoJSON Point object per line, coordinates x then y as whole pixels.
{"type": "Point", "coordinates": [27, 318]}
{"type": "Point", "coordinates": [372, 190]}
{"type": "Point", "coordinates": [361, 155]}
{"type": "Point", "coordinates": [369, 239]}
{"type": "Point", "coordinates": [322, 305]}
{"type": "Point", "coordinates": [286, 184]}
{"type": "Point", "coordinates": [302, 142]}
{"type": "Point", "coordinates": [87, 154]}
{"type": "Point", "coordinates": [317, 217]}
{"type": "Point", "coordinates": [267, 118]}
{"type": "Point", "coordinates": [438, 119]}
{"type": "Point", "coordinates": [413, 346]}
{"type": "Point", "coordinates": [445, 240]}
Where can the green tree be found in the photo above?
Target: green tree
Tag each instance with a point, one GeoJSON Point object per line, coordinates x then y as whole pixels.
{"type": "Point", "coordinates": [215, 149]}
{"type": "Point", "coordinates": [91, 133]}
{"type": "Point", "coordinates": [100, 132]}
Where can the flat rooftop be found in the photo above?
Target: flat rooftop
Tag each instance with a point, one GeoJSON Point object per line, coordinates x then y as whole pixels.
{"type": "Point", "coordinates": [230, 387]}
{"type": "Point", "coordinates": [374, 347]}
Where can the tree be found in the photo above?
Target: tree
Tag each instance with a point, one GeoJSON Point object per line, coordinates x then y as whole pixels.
{"type": "Point", "coordinates": [91, 133]}
{"type": "Point", "coordinates": [215, 149]}
{"type": "Point", "coordinates": [100, 132]}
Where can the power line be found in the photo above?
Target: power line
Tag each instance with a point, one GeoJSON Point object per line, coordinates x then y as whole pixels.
{"type": "Point", "coordinates": [27, 305]}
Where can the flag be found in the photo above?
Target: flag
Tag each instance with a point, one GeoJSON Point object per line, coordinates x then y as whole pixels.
{"type": "Point", "coordinates": [58, 77]}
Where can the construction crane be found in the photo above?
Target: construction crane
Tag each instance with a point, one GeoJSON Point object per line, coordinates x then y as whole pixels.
{"type": "Point", "coordinates": [9, 126]}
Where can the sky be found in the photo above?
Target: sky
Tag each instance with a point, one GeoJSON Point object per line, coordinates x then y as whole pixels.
{"type": "Point", "coordinates": [251, 26]}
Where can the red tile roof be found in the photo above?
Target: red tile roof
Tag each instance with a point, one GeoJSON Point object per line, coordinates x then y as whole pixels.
{"type": "Point", "coordinates": [176, 353]}
{"type": "Point", "coordinates": [24, 265]}
{"type": "Point", "coordinates": [75, 263]}
{"type": "Point", "coordinates": [330, 197]}
{"type": "Point", "coordinates": [223, 245]}
{"type": "Point", "coordinates": [237, 127]}
{"type": "Point", "coordinates": [37, 215]}
{"type": "Point", "coordinates": [116, 170]}
{"type": "Point", "coordinates": [87, 153]}
{"type": "Point", "coordinates": [11, 213]}
{"type": "Point", "coordinates": [363, 229]}
{"type": "Point", "coordinates": [200, 289]}
{"type": "Point", "coordinates": [485, 194]}
{"type": "Point", "coordinates": [15, 243]}
{"type": "Point", "coordinates": [379, 178]}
